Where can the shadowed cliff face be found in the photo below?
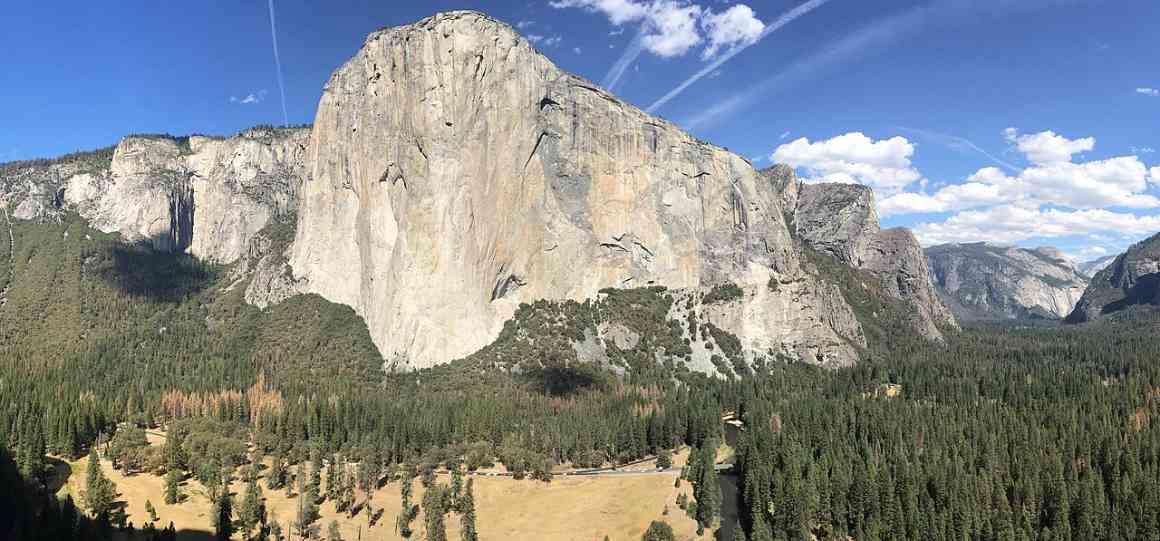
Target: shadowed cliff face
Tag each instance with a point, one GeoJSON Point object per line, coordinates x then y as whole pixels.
{"type": "Point", "coordinates": [1131, 282]}
{"type": "Point", "coordinates": [988, 282]}
{"type": "Point", "coordinates": [455, 173]}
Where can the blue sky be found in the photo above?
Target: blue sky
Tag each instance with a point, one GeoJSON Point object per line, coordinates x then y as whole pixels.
{"type": "Point", "coordinates": [1024, 121]}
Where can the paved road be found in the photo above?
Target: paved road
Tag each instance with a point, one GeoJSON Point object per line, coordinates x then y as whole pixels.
{"type": "Point", "coordinates": [591, 473]}
{"type": "Point", "coordinates": [605, 471]}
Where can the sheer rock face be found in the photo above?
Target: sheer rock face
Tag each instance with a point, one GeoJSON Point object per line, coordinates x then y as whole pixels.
{"type": "Point", "coordinates": [990, 282]}
{"type": "Point", "coordinates": [454, 172]}
{"type": "Point", "coordinates": [1130, 282]}
{"type": "Point", "coordinates": [204, 196]}
{"type": "Point", "coordinates": [840, 220]}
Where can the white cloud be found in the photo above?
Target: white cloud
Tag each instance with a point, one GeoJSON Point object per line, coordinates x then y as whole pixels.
{"type": "Point", "coordinates": [1046, 147]}
{"type": "Point", "coordinates": [737, 26]}
{"type": "Point", "coordinates": [1154, 92]}
{"type": "Point", "coordinates": [1119, 181]}
{"type": "Point", "coordinates": [1142, 150]}
{"type": "Point", "coordinates": [251, 98]}
{"type": "Point", "coordinates": [670, 26]}
{"type": "Point", "coordinates": [577, 50]}
{"type": "Point", "coordinates": [618, 11]}
{"type": "Point", "coordinates": [1013, 223]}
{"type": "Point", "coordinates": [783, 135]}
{"type": "Point", "coordinates": [524, 24]}
{"type": "Point", "coordinates": [673, 29]}
{"type": "Point", "coordinates": [1054, 197]}
{"type": "Point", "coordinates": [853, 158]}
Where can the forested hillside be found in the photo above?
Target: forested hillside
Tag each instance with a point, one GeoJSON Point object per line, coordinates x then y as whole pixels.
{"type": "Point", "coordinates": [997, 433]}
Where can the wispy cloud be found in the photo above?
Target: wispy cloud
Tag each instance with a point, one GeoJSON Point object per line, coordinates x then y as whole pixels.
{"type": "Point", "coordinates": [251, 98]}
{"type": "Point", "coordinates": [278, 64]}
{"type": "Point", "coordinates": [956, 143]}
{"type": "Point", "coordinates": [784, 19]}
{"type": "Point", "coordinates": [524, 24]}
{"type": "Point", "coordinates": [545, 41]}
{"type": "Point", "coordinates": [1153, 92]}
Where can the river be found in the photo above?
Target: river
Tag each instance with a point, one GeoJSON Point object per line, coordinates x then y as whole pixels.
{"type": "Point", "coordinates": [730, 484]}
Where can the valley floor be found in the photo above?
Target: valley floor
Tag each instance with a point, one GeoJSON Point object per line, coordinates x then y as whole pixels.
{"type": "Point", "coordinates": [569, 508]}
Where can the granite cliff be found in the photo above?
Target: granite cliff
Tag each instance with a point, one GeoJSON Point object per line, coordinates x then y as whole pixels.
{"type": "Point", "coordinates": [454, 174]}
{"type": "Point", "coordinates": [1129, 283]}
{"type": "Point", "coordinates": [984, 281]}
{"type": "Point", "coordinates": [840, 220]}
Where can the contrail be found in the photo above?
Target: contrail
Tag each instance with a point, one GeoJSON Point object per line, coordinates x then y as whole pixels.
{"type": "Point", "coordinates": [631, 52]}
{"type": "Point", "coordinates": [955, 142]}
{"type": "Point", "coordinates": [872, 38]}
{"type": "Point", "coordinates": [784, 19]}
{"type": "Point", "coordinates": [278, 65]}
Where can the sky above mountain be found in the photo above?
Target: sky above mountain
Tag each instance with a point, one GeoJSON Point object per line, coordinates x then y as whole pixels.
{"type": "Point", "coordinates": [1018, 121]}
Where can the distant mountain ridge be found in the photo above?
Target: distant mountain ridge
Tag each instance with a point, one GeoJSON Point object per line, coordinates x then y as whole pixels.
{"type": "Point", "coordinates": [1091, 267]}
{"type": "Point", "coordinates": [1130, 282]}
{"type": "Point", "coordinates": [983, 281]}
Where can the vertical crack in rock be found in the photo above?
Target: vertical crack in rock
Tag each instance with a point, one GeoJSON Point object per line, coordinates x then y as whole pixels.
{"type": "Point", "coordinates": [535, 147]}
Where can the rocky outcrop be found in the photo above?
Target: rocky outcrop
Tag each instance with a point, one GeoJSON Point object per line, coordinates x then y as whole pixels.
{"type": "Point", "coordinates": [840, 220]}
{"type": "Point", "coordinates": [1129, 283]}
{"type": "Point", "coordinates": [205, 196]}
{"type": "Point", "coordinates": [989, 282]}
{"type": "Point", "coordinates": [455, 172]}
{"type": "Point", "coordinates": [785, 181]}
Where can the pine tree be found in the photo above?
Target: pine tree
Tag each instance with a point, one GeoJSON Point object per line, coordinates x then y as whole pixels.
{"type": "Point", "coordinates": [665, 458]}
{"type": "Point", "coordinates": [307, 515]}
{"type": "Point", "coordinates": [99, 490]}
{"type": "Point", "coordinates": [253, 512]}
{"type": "Point", "coordinates": [314, 487]}
{"type": "Point", "coordinates": [276, 477]}
{"type": "Point", "coordinates": [333, 479]}
{"type": "Point", "coordinates": [276, 531]}
{"type": "Point", "coordinates": [345, 500]}
{"type": "Point", "coordinates": [171, 452]}
{"type": "Point", "coordinates": [223, 516]}
{"type": "Point", "coordinates": [658, 531]}
{"type": "Point", "coordinates": [172, 495]}
{"type": "Point", "coordinates": [456, 489]}
{"type": "Point", "coordinates": [433, 511]}
{"type": "Point", "coordinates": [150, 511]}
{"type": "Point", "coordinates": [467, 510]}
{"type": "Point", "coordinates": [705, 488]}
{"type": "Point", "coordinates": [407, 511]}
